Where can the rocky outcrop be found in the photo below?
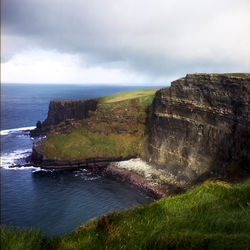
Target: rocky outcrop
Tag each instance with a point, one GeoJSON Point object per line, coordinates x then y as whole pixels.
{"type": "Point", "coordinates": [200, 128]}
{"type": "Point", "coordinates": [63, 110]}
{"type": "Point", "coordinates": [150, 179]}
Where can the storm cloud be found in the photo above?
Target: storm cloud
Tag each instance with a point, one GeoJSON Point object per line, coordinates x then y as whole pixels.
{"type": "Point", "coordinates": [147, 41]}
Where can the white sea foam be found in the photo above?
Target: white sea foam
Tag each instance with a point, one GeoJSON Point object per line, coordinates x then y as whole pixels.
{"type": "Point", "coordinates": [9, 159]}
{"type": "Point", "coordinates": [91, 178]}
{"type": "Point", "coordinates": [15, 130]}
{"type": "Point", "coordinates": [20, 168]}
{"type": "Point", "coordinates": [38, 169]}
{"type": "Point", "coordinates": [86, 175]}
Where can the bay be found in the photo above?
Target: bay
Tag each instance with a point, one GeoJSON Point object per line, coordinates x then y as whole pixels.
{"type": "Point", "coordinates": [55, 202]}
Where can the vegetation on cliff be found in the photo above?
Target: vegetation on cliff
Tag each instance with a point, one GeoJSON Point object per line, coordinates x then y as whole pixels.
{"type": "Point", "coordinates": [214, 215]}
{"type": "Point", "coordinates": [116, 129]}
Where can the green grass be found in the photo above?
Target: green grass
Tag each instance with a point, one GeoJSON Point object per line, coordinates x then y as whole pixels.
{"type": "Point", "coordinates": [117, 128]}
{"type": "Point", "coordinates": [237, 74]}
{"type": "Point", "coordinates": [28, 239]}
{"type": "Point", "coordinates": [128, 95]}
{"type": "Point", "coordinates": [243, 75]}
{"type": "Point", "coordinates": [214, 215]}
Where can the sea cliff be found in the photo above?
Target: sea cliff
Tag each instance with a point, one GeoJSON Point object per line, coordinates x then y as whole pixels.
{"type": "Point", "coordinates": [200, 128]}
{"type": "Point", "coordinates": [115, 130]}
{"type": "Point", "coordinates": [63, 110]}
{"type": "Point", "coordinates": [194, 130]}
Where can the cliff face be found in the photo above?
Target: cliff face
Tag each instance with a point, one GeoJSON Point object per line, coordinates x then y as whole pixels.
{"type": "Point", "coordinates": [200, 127]}
{"type": "Point", "coordinates": [62, 110]}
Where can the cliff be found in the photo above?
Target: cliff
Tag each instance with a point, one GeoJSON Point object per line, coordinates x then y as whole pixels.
{"type": "Point", "coordinates": [115, 130]}
{"type": "Point", "coordinates": [196, 129]}
{"type": "Point", "coordinates": [62, 110]}
{"type": "Point", "coordinates": [200, 128]}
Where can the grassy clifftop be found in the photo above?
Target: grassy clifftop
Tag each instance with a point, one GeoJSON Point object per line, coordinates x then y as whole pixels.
{"type": "Point", "coordinates": [214, 215]}
{"type": "Point", "coordinates": [117, 128]}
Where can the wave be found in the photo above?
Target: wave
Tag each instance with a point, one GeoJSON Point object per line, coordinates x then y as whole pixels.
{"type": "Point", "coordinates": [10, 159]}
{"type": "Point", "coordinates": [86, 175]}
{"type": "Point", "coordinates": [38, 169]}
{"type": "Point", "coordinates": [35, 169]}
{"type": "Point", "coordinates": [16, 130]}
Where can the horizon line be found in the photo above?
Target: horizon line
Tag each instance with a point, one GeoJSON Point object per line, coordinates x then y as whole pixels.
{"type": "Point", "coordinates": [104, 83]}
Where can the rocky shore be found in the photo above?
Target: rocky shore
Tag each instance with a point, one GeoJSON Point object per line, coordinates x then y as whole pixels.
{"type": "Point", "coordinates": [142, 175]}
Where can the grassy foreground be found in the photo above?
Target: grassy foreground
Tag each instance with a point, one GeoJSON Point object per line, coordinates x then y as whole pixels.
{"type": "Point", "coordinates": [117, 128]}
{"type": "Point", "coordinates": [215, 215]}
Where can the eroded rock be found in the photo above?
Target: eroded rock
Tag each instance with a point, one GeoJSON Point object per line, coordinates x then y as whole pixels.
{"type": "Point", "coordinates": [200, 128]}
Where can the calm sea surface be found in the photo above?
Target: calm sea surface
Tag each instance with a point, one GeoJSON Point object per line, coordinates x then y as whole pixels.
{"type": "Point", "coordinates": [54, 201]}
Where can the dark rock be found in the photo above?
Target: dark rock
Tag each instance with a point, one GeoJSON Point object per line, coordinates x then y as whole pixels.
{"type": "Point", "coordinates": [36, 157]}
{"type": "Point", "coordinates": [62, 110]}
{"type": "Point", "coordinates": [200, 128]}
{"type": "Point", "coordinates": [39, 125]}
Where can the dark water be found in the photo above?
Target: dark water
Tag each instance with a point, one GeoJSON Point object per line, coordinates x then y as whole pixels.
{"type": "Point", "coordinates": [54, 201]}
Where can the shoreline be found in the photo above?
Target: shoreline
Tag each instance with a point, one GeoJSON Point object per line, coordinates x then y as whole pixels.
{"type": "Point", "coordinates": [135, 180]}
{"type": "Point", "coordinates": [129, 169]}
{"type": "Point", "coordinates": [143, 176]}
{"type": "Point", "coordinates": [110, 167]}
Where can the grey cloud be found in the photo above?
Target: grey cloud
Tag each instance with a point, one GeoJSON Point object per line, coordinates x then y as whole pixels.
{"type": "Point", "coordinates": [155, 38]}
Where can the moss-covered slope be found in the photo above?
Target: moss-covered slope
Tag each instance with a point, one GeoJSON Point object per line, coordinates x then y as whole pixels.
{"type": "Point", "coordinates": [116, 129]}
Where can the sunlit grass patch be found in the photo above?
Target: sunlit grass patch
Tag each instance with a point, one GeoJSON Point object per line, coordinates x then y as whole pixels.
{"type": "Point", "coordinates": [128, 95]}
{"type": "Point", "coordinates": [115, 129]}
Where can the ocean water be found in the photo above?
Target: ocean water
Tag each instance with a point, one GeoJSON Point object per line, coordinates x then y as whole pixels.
{"type": "Point", "coordinates": [55, 202]}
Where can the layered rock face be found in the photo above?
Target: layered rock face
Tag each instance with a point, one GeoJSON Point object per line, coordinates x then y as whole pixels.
{"type": "Point", "coordinates": [200, 128]}
{"type": "Point", "coordinates": [66, 111]}
{"type": "Point", "coordinates": [62, 110]}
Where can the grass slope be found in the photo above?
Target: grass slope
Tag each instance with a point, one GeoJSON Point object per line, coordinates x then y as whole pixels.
{"type": "Point", "coordinates": [214, 215]}
{"type": "Point", "coordinates": [128, 95]}
{"type": "Point", "coordinates": [243, 75]}
{"type": "Point", "coordinates": [117, 128]}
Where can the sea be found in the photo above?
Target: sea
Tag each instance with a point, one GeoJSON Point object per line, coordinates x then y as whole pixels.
{"type": "Point", "coordinates": [55, 202]}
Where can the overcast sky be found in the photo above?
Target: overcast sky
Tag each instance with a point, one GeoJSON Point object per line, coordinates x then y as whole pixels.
{"type": "Point", "coordinates": [122, 41]}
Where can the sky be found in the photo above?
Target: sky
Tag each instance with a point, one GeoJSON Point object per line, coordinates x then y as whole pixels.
{"type": "Point", "coordinates": [122, 41]}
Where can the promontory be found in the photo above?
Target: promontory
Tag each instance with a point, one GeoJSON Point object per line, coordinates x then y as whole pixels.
{"type": "Point", "coordinates": [198, 128]}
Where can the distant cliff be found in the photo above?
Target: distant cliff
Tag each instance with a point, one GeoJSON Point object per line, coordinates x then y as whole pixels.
{"type": "Point", "coordinates": [62, 110]}
{"type": "Point", "coordinates": [200, 127]}
{"type": "Point", "coordinates": [115, 130]}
